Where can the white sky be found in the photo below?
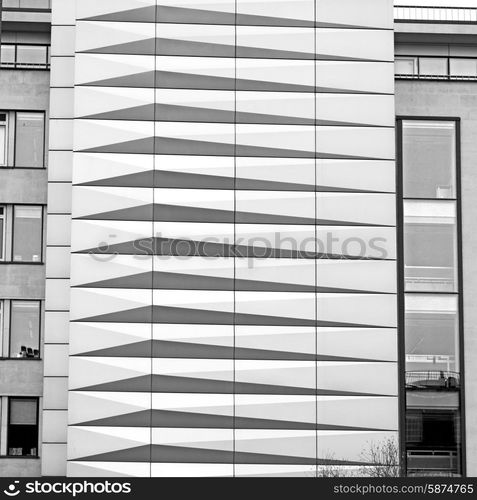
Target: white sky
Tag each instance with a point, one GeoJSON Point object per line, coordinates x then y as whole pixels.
{"type": "Point", "coordinates": [443, 3]}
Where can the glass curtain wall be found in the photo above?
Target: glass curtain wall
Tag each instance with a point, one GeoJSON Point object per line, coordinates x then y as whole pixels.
{"type": "Point", "coordinates": [430, 248]}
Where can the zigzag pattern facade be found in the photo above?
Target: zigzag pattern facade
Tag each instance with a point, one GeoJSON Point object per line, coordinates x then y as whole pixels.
{"type": "Point", "coordinates": [233, 283]}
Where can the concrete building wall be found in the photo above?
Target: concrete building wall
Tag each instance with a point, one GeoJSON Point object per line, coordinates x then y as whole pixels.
{"type": "Point", "coordinates": [457, 99]}
{"type": "Point", "coordinates": [27, 90]}
{"type": "Point", "coordinates": [302, 112]}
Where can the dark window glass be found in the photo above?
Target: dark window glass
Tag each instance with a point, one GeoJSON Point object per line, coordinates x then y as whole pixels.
{"type": "Point", "coordinates": [23, 427]}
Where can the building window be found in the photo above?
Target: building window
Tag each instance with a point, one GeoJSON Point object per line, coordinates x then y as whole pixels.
{"type": "Point", "coordinates": [406, 66]}
{"type": "Point", "coordinates": [463, 68]}
{"type": "Point", "coordinates": [22, 432]}
{"type": "Point", "coordinates": [433, 66]}
{"type": "Point", "coordinates": [429, 159]}
{"type": "Point", "coordinates": [432, 340]}
{"type": "Point", "coordinates": [2, 232]}
{"type": "Point", "coordinates": [21, 233]}
{"type": "Point", "coordinates": [24, 56]}
{"type": "Point", "coordinates": [2, 328]}
{"type": "Point", "coordinates": [27, 233]}
{"type": "Point", "coordinates": [25, 321]}
{"type": "Point", "coordinates": [29, 140]}
{"type": "Point", "coordinates": [25, 133]}
{"type": "Point", "coordinates": [3, 139]}
{"type": "Point", "coordinates": [430, 246]}
{"type": "Point", "coordinates": [431, 294]}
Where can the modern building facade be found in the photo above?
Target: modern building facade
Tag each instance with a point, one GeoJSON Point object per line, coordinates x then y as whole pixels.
{"type": "Point", "coordinates": [249, 255]}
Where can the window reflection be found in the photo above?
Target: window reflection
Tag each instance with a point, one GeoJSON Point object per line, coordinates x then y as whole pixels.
{"type": "Point", "coordinates": [432, 336]}
{"type": "Point", "coordinates": [433, 441]}
{"type": "Point", "coordinates": [30, 138]}
{"type": "Point", "coordinates": [433, 66]}
{"type": "Point", "coordinates": [429, 159]}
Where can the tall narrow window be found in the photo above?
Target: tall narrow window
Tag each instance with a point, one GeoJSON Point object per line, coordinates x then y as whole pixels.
{"type": "Point", "coordinates": [27, 233]}
{"type": "Point", "coordinates": [29, 139]}
{"type": "Point", "coordinates": [7, 56]}
{"type": "Point", "coordinates": [2, 232]}
{"type": "Point", "coordinates": [25, 329]}
{"type": "Point", "coordinates": [430, 246]}
{"type": "Point", "coordinates": [22, 432]}
{"type": "Point", "coordinates": [3, 139]}
{"type": "Point", "coordinates": [431, 295]}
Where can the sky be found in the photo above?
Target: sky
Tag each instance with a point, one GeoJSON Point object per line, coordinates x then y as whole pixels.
{"type": "Point", "coordinates": [435, 3]}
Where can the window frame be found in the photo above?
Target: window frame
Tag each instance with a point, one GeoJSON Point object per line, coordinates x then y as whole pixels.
{"type": "Point", "coordinates": [7, 138]}
{"type": "Point", "coordinates": [3, 246]}
{"type": "Point", "coordinates": [42, 235]}
{"type": "Point", "coordinates": [401, 284]}
{"type": "Point", "coordinates": [37, 424]}
{"type": "Point", "coordinates": [11, 138]}
{"type": "Point", "coordinates": [415, 61]}
{"type": "Point", "coordinates": [10, 331]}
{"type": "Point", "coordinates": [15, 138]}
{"type": "Point", "coordinates": [18, 65]}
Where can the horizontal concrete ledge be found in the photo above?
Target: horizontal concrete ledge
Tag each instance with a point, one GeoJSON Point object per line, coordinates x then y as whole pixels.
{"type": "Point", "coordinates": [22, 281]}
{"type": "Point", "coordinates": [18, 378]}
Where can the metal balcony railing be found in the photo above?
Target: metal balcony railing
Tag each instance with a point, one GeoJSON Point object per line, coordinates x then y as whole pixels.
{"type": "Point", "coordinates": [462, 15]}
{"type": "Point", "coordinates": [433, 380]}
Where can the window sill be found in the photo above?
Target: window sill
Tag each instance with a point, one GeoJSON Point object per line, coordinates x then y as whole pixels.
{"type": "Point", "coordinates": [16, 457]}
{"type": "Point", "coordinates": [4, 358]}
{"type": "Point", "coordinates": [20, 263]}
